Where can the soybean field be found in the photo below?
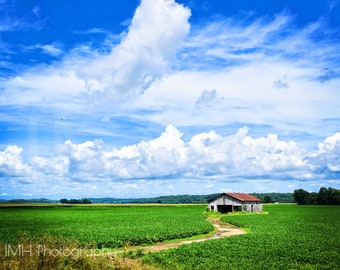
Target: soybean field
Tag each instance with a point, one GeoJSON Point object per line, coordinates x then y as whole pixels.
{"type": "Point", "coordinates": [288, 237]}
{"type": "Point", "coordinates": [285, 236]}
{"type": "Point", "coordinates": [105, 226]}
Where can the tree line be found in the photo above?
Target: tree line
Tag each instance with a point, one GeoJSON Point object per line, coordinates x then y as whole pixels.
{"type": "Point", "coordinates": [272, 197]}
{"type": "Point", "coordinates": [327, 196]}
{"type": "Point", "coordinates": [75, 201]}
{"type": "Point", "coordinates": [195, 199]}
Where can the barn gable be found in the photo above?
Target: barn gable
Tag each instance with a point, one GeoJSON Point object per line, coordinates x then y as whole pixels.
{"type": "Point", "coordinates": [231, 202]}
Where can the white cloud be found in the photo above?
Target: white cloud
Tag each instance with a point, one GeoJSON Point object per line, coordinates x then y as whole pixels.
{"type": "Point", "coordinates": [50, 49]}
{"type": "Point", "coordinates": [58, 166]}
{"type": "Point", "coordinates": [266, 72]}
{"type": "Point", "coordinates": [11, 163]}
{"type": "Point", "coordinates": [53, 49]}
{"type": "Point", "coordinates": [167, 163]}
{"type": "Point", "coordinates": [246, 93]}
{"type": "Point", "coordinates": [207, 98]}
{"type": "Point", "coordinates": [281, 83]}
{"type": "Point", "coordinates": [327, 159]}
{"type": "Point", "coordinates": [246, 64]}
{"type": "Point", "coordinates": [272, 155]}
{"type": "Point", "coordinates": [43, 88]}
{"type": "Point", "coordinates": [145, 53]}
{"type": "Point", "coordinates": [240, 155]}
{"type": "Point", "coordinates": [204, 156]}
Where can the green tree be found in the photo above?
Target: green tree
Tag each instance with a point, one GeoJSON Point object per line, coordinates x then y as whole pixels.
{"type": "Point", "coordinates": [267, 199]}
{"type": "Point", "coordinates": [328, 196]}
{"type": "Point", "coordinates": [73, 201]}
{"type": "Point", "coordinates": [63, 201]}
{"type": "Point", "coordinates": [337, 196]}
{"type": "Point", "coordinates": [313, 198]}
{"type": "Point", "coordinates": [84, 201]}
{"type": "Point", "coordinates": [302, 196]}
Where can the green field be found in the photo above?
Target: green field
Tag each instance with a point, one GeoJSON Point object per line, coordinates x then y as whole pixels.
{"type": "Point", "coordinates": [289, 237]}
{"type": "Point", "coordinates": [106, 226]}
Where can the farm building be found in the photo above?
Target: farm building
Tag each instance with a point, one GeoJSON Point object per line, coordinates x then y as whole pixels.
{"type": "Point", "coordinates": [232, 202]}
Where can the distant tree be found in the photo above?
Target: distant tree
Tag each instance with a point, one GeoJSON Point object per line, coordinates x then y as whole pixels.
{"type": "Point", "coordinates": [63, 201]}
{"type": "Point", "coordinates": [267, 199]}
{"type": "Point", "coordinates": [337, 196]}
{"type": "Point", "coordinates": [328, 196]}
{"type": "Point", "coordinates": [159, 201]}
{"type": "Point", "coordinates": [76, 201]}
{"type": "Point", "coordinates": [334, 196]}
{"type": "Point", "coordinates": [323, 196]}
{"type": "Point", "coordinates": [73, 201]}
{"type": "Point", "coordinates": [84, 201]}
{"type": "Point", "coordinates": [313, 198]}
{"type": "Point", "coordinates": [302, 196]}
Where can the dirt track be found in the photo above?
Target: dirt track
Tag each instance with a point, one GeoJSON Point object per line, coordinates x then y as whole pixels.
{"type": "Point", "coordinates": [222, 230]}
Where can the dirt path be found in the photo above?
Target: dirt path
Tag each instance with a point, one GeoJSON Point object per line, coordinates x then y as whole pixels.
{"type": "Point", "coordinates": [222, 230]}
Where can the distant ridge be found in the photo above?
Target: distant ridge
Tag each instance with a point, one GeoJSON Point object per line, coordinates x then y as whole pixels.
{"type": "Point", "coordinates": [28, 201]}
{"type": "Point", "coordinates": [172, 199]}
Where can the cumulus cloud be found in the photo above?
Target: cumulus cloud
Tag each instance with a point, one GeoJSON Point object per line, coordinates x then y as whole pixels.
{"type": "Point", "coordinates": [145, 53]}
{"type": "Point", "coordinates": [58, 166]}
{"type": "Point", "coordinates": [11, 164]}
{"type": "Point", "coordinates": [326, 160]}
{"type": "Point", "coordinates": [205, 156]}
{"type": "Point", "coordinates": [243, 156]}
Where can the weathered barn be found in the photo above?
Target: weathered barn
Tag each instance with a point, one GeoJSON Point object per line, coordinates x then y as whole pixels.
{"type": "Point", "coordinates": [231, 202]}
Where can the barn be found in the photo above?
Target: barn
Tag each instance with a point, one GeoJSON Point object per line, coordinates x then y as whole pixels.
{"type": "Point", "coordinates": [232, 202]}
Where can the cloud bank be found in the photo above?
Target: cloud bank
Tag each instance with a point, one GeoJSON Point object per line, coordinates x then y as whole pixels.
{"type": "Point", "coordinates": [205, 157]}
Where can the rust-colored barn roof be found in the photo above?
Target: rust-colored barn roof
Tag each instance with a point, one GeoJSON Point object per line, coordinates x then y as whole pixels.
{"type": "Point", "coordinates": [243, 197]}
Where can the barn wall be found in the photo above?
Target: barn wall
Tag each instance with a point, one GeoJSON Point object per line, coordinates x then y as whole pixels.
{"type": "Point", "coordinates": [230, 201]}
{"type": "Point", "coordinates": [257, 206]}
{"type": "Point", "coordinates": [214, 203]}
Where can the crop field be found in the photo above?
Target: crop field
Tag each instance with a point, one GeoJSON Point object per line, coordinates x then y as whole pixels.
{"type": "Point", "coordinates": [289, 237]}
{"type": "Point", "coordinates": [105, 226]}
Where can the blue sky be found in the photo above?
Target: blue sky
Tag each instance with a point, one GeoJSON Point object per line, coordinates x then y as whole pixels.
{"type": "Point", "coordinates": [158, 97]}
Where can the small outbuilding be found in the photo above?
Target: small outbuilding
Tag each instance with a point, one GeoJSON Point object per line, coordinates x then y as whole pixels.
{"type": "Point", "coordinates": [232, 202]}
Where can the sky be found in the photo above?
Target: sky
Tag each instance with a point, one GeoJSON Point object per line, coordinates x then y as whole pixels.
{"type": "Point", "coordinates": [145, 98]}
